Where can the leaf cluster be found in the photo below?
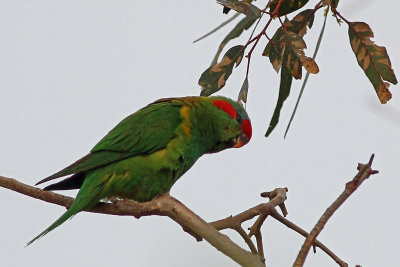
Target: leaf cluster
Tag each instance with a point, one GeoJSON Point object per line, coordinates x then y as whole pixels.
{"type": "Point", "coordinates": [285, 49]}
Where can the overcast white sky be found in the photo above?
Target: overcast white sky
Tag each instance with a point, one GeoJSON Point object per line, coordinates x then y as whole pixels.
{"type": "Point", "coordinates": [71, 70]}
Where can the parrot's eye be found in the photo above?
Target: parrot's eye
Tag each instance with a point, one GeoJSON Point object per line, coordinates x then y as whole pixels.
{"type": "Point", "coordinates": [239, 118]}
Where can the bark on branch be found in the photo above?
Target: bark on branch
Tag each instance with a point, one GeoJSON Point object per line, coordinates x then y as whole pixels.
{"type": "Point", "coordinates": [164, 205]}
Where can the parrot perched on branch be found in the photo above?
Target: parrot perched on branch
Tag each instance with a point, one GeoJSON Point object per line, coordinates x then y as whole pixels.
{"type": "Point", "coordinates": [148, 151]}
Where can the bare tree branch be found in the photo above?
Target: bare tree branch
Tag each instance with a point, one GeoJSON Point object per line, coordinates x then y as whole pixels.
{"type": "Point", "coordinates": [263, 210]}
{"type": "Point", "coordinates": [164, 205]}
{"type": "Point", "coordinates": [277, 198]}
{"type": "Point", "coordinates": [364, 172]}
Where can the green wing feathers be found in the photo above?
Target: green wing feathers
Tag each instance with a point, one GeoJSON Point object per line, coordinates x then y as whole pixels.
{"type": "Point", "coordinates": [88, 162]}
{"type": "Point", "coordinates": [143, 132]}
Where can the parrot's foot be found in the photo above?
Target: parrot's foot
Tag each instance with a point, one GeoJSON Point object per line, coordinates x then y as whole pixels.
{"type": "Point", "coordinates": [113, 200]}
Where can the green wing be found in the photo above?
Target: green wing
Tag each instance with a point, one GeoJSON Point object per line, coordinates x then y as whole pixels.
{"type": "Point", "coordinates": [144, 132]}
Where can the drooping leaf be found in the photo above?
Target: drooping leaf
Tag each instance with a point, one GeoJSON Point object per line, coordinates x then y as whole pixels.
{"type": "Point", "coordinates": [244, 24]}
{"type": "Point", "coordinates": [373, 59]}
{"type": "Point", "coordinates": [214, 78]}
{"type": "Point", "coordinates": [242, 6]}
{"type": "Point", "coordinates": [285, 51]}
{"type": "Point", "coordinates": [292, 61]}
{"type": "Point", "coordinates": [289, 48]}
{"type": "Point", "coordinates": [275, 48]}
{"type": "Point", "coordinates": [217, 28]}
{"type": "Point", "coordinates": [284, 91]}
{"type": "Point", "coordinates": [296, 57]}
{"type": "Point", "coordinates": [294, 53]}
{"type": "Point", "coordinates": [287, 6]}
{"type": "Point", "coordinates": [307, 75]}
{"type": "Point", "coordinates": [242, 97]}
{"type": "Point", "coordinates": [292, 39]}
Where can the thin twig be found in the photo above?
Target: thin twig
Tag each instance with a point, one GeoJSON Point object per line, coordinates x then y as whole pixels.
{"type": "Point", "coordinates": [246, 238]}
{"type": "Point", "coordinates": [304, 233]}
{"type": "Point", "coordinates": [364, 172]}
{"type": "Point", "coordinates": [260, 246]}
{"type": "Point", "coordinates": [278, 196]}
{"type": "Point", "coordinates": [264, 208]}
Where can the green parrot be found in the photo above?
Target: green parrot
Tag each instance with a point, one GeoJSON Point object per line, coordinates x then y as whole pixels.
{"type": "Point", "coordinates": [148, 151]}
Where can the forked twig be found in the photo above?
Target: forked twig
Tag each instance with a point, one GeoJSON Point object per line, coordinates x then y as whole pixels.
{"type": "Point", "coordinates": [364, 172]}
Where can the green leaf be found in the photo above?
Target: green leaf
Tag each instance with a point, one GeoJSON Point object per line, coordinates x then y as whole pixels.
{"type": "Point", "coordinates": [243, 7]}
{"type": "Point", "coordinates": [243, 91]}
{"type": "Point", "coordinates": [373, 59]}
{"type": "Point", "coordinates": [244, 24]}
{"type": "Point", "coordinates": [287, 6]}
{"type": "Point", "coordinates": [217, 28]}
{"type": "Point", "coordinates": [284, 91]}
{"type": "Point", "coordinates": [294, 46]}
{"type": "Point", "coordinates": [214, 78]}
{"type": "Point", "coordinates": [285, 51]}
{"type": "Point", "coordinates": [295, 58]}
{"type": "Point", "coordinates": [292, 39]}
{"type": "Point", "coordinates": [288, 47]}
{"type": "Point", "coordinates": [275, 48]}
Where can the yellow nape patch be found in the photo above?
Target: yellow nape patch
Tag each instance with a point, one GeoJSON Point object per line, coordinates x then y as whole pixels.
{"type": "Point", "coordinates": [186, 123]}
{"type": "Point", "coordinates": [160, 153]}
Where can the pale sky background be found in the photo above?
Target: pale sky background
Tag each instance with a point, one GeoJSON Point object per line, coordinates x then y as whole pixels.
{"type": "Point", "coordinates": [71, 70]}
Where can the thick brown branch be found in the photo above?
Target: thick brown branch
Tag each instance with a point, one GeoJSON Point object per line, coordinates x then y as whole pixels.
{"type": "Point", "coordinates": [364, 172]}
{"type": "Point", "coordinates": [164, 205]}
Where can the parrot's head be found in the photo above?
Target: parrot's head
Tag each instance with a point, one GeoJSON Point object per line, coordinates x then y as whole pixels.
{"type": "Point", "coordinates": [233, 124]}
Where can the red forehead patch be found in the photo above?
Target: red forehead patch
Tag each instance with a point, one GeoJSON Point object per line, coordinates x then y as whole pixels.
{"type": "Point", "coordinates": [226, 106]}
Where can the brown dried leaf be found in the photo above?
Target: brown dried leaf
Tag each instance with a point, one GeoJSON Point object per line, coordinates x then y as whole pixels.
{"type": "Point", "coordinates": [373, 59]}
{"type": "Point", "coordinates": [310, 65]}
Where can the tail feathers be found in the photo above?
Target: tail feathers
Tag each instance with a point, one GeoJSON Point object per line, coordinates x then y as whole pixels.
{"type": "Point", "coordinates": [87, 198]}
{"type": "Point", "coordinates": [73, 182]}
{"type": "Point", "coordinates": [68, 214]}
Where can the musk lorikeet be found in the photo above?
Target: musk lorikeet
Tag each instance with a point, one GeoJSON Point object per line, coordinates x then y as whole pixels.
{"type": "Point", "coordinates": [146, 153]}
